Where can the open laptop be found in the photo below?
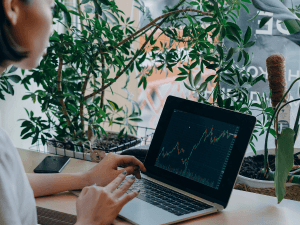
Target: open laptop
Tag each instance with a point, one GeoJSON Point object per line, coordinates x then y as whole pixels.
{"type": "Point", "coordinates": [192, 163]}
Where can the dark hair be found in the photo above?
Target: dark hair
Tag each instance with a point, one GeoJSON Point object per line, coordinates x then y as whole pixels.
{"type": "Point", "coordinates": [7, 52]}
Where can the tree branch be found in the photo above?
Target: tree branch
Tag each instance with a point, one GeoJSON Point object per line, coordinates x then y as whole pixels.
{"type": "Point", "coordinates": [61, 101]}
{"type": "Point", "coordinates": [152, 23]}
{"type": "Point", "coordinates": [144, 45]}
{"type": "Point", "coordinates": [102, 94]}
{"type": "Point", "coordinates": [79, 10]}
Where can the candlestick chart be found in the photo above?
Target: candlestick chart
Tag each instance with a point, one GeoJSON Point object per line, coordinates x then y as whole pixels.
{"type": "Point", "coordinates": [198, 151]}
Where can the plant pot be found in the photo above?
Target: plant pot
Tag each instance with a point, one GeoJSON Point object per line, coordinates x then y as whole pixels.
{"type": "Point", "coordinates": [260, 183]}
{"type": "Point", "coordinates": [59, 148]}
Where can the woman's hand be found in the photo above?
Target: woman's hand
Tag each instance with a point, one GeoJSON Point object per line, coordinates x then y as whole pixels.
{"type": "Point", "coordinates": [98, 206]}
{"type": "Point", "coordinates": [107, 169]}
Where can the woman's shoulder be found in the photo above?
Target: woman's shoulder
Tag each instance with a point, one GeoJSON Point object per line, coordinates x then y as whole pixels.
{"type": "Point", "coordinates": [7, 150]}
{"type": "Point", "coordinates": [5, 142]}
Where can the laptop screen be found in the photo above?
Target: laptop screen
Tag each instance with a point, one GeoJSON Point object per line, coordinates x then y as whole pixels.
{"type": "Point", "coordinates": [197, 148]}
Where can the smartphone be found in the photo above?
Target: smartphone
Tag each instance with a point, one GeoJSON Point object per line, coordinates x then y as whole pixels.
{"type": "Point", "coordinates": [52, 164]}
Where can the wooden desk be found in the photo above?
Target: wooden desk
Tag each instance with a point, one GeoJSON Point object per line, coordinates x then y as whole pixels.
{"type": "Point", "coordinates": [243, 208]}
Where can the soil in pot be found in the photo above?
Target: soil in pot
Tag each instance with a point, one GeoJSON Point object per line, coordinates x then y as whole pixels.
{"type": "Point", "coordinates": [252, 165]}
{"type": "Point", "coordinates": [111, 141]}
{"type": "Point", "coordinates": [104, 143]}
{"type": "Point", "coordinates": [250, 168]}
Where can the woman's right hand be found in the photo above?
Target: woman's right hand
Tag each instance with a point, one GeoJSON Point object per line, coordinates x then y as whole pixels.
{"type": "Point", "coordinates": [101, 205]}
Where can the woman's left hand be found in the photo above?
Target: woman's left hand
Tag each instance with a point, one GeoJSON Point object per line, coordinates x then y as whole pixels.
{"type": "Point", "coordinates": [107, 169]}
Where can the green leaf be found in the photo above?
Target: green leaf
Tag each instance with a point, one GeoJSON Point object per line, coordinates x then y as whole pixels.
{"type": "Point", "coordinates": [208, 19]}
{"type": "Point", "coordinates": [210, 78]}
{"type": "Point", "coordinates": [25, 130]}
{"type": "Point", "coordinates": [246, 8]}
{"type": "Point", "coordinates": [118, 60]}
{"type": "Point", "coordinates": [121, 133]}
{"type": "Point", "coordinates": [97, 7]}
{"type": "Point", "coordinates": [264, 21]}
{"type": "Point", "coordinates": [28, 135]}
{"type": "Point", "coordinates": [247, 35]}
{"type": "Point", "coordinates": [72, 108]}
{"type": "Point", "coordinates": [180, 78]}
{"type": "Point", "coordinates": [229, 54]}
{"type": "Point", "coordinates": [197, 78]}
{"type": "Point", "coordinates": [66, 12]}
{"type": "Point", "coordinates": [10, 87]}
{"type": "Point", "coordinates": [233, 38]}
{"type": "Point", "coordinates": [105, 2]}
{"type": "Point", "coordinates": [14, 78]}
{"type": "Point", "coordinates": [136, 119]}
{"type": "Point", "coordinates": [12, 69]}
{"type": "Point", "coordinates": [188, 87]}
{"type": "Point", "coordinates": [249, 44]}
{"type": "Point", "coordinates": [190, 76]}
{"type": "Point", "coordinates": [283, 161]}
{"type": "Point", "coordinates": [211, 58]}
{"type": "Point", "coordinates": [84, 2]}
{"type": "Point", "coordinates": [240, 56]}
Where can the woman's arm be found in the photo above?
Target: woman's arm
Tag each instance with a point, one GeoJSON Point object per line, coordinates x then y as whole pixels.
{"type": "Point", "coordinates": [48, 184]}
{"type": "Point", "coordinates": [102, 174]}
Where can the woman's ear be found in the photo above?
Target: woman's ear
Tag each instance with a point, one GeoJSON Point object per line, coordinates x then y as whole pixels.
{"type": "Point", "coordinates": [12, 10]}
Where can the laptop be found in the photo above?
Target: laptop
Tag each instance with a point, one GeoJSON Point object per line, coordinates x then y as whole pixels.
{"type": "Point", "coordinates": [192, 163]}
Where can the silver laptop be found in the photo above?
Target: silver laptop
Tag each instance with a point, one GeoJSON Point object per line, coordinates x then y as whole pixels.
{"type": "Point", "coordinates": [192, 163]}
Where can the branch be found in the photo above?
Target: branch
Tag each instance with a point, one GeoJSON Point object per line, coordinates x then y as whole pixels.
{"type": "Point", "coordinates": [61, 101]}
{"type": "Point", "coordinates": [102, 94]}
{"type": "Point", "coordinates": [79, 10]}
{"type": "Point", "coordinates": [124, 70]}
{"type": "Point", "coordinates": [138, 53]}
{"type": "Point", "coordinates": [159, 18]}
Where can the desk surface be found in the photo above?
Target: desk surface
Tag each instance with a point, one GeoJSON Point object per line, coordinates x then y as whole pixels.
{"type": "Point", "coordinates": [243, 207]}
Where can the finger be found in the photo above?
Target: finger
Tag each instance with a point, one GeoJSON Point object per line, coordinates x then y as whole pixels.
{"type": "Point", "coordinates": [116, 182]}
{"type": "Point", "coordinates": [127, 198]}
{"type": "Point", "coordinates": [132, 170]}
{"type": "Point", "coordinates": [131, 160]}
{"type": "Point", "coordinates": [122, 190]}
{"type": "Point", "coordinates": [83, 191]}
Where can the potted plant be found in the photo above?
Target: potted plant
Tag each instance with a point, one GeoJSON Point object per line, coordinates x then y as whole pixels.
{"type": "Point", "coordinates": [285, 155]}
{"type": "Point", "coordinates": [210, 42]}
{"type": "Point", "coordinates": [75, 75]}
{"type": "Point", "coordinates": [83, 63]}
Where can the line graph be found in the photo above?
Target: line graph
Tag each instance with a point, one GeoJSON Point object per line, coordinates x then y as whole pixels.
{"type": "Point", "coordinates": [201, 150]}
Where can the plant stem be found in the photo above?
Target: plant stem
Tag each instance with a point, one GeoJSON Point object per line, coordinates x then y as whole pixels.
{"type": "Point", "coordinates": [266, 163]}
{"type": "Point", "coordinates": [61, 101]}
{"type": "Point", "coordinates": [103, 92]}
{"type": "Point", "coordinates": [290, 178]}
{"type": "Point", "coordinates": [296, 126]}
{"type": "Point", "coordinates": [79, 11]}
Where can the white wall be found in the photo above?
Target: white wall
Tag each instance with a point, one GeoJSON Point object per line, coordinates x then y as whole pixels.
{"type": "Point", "coordinates": [13, 109]}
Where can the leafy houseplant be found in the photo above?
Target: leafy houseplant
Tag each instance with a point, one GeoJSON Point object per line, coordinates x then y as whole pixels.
{"type": "Point", "coordinates": [284, 169]}
{"type": "Point", "coordinates": [83, 59]}
{"type": "Point", "coordinates": [214, 42]}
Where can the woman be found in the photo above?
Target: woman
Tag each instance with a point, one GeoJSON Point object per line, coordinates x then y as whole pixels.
{"type": "Point", "coordinates": [25, 28]}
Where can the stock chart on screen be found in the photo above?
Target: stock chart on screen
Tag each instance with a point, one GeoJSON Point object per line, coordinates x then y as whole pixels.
{"type": "Point", "coordinates": [197, 148]}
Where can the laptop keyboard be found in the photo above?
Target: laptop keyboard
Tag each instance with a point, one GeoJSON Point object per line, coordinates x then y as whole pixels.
{"type": "Point", "coordinates": [166, 198]}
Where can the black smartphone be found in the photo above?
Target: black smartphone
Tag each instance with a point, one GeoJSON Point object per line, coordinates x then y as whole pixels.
{"type": "Point", "coordinates": [52, 164]}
